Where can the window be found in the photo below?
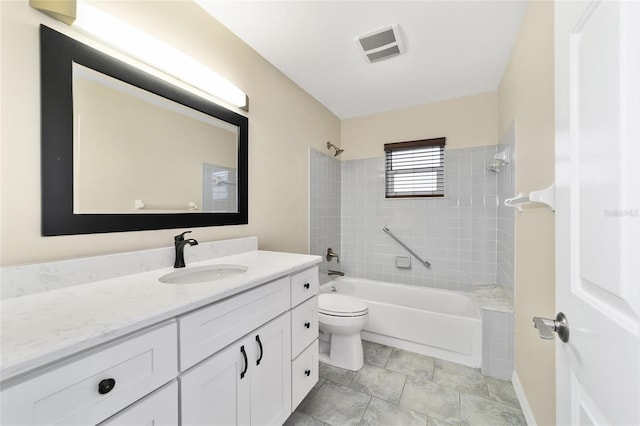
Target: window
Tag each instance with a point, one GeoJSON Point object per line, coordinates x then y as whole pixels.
{"type": "Point", "coordinates": [415, 168]}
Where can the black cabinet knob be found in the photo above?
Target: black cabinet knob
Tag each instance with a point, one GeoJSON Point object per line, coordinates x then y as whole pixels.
{"type": "Point", "coordinates": [307, 373]}
{"type": "Point", "coordinates": [307, 285]}
{"type": "Point", "coordinates": [106, 385]}
{"type": "Point", "coordinates": [307, 324]}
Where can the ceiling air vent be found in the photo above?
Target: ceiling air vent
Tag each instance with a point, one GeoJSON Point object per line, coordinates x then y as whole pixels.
{"type": "Point", "coordinates": [381, 44]}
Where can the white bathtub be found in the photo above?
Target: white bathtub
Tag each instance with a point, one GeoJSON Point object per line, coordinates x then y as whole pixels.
{"type": "Point", "coordinates": [439, 323]}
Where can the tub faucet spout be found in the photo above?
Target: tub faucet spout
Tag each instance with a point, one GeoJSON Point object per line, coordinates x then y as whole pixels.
{"type": "Point", "coordinates": [332, 272]}
{"type": "Point", "coordinates": [180, 242]}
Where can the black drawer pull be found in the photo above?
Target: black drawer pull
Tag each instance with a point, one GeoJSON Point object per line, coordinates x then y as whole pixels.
{"type": "Point", "coordinates": [307, 373]}
{"type": "Point", "coordinates": [307, 324]}
{"type": "Point", "coordinates": [246, 364]}
{"type": "Point", "coordinates": [307, 285]}
{"type": "Point", "coordinates": [106, 386]}
{"type": "Point", "coordinates": [261, 351]}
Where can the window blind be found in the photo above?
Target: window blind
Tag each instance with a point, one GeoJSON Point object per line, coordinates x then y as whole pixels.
{"type": "Point", "coordinates": [415, 168]}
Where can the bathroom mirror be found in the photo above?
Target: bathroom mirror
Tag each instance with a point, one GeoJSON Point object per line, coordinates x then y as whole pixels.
{"type": "Point", "coordinates": [123, 150]}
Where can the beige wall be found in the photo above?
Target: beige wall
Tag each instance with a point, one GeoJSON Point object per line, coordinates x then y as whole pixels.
{"type": "Point", "coordinates": [526, 95]}
{"type": "Point", "coordinates": [283, 122]}
{"type": "Point", "coordinates": [465, 122]}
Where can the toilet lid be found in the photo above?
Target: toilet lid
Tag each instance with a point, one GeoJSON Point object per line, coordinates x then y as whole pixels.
{"type": "Point", "coordinates": [341, 305]}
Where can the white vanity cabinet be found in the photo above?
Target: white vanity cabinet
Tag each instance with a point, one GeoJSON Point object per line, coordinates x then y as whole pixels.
{"type": "Point", "coordinates": [260, 379]}
{"type": "Point", "coordinates": [246, 359]}
{"type": "Point", "coordinates": [247, 383]}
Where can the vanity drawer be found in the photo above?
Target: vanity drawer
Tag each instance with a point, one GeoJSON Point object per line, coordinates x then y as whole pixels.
{"type": "Point", "coordinates": [206, 331]}
{"type": "Point", "coordinates": [304, 325]}
{"type": "Point", "coordinates": [304, 374]}
{"type": "Point", "coordinates": [92, 387]}
{"type": "Point", "coordinates": [158, 409]}
{"type": "Point", "coordinates": [304, 285]}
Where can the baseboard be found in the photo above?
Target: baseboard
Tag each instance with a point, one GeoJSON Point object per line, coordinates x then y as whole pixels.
{"type": "Point", "coordinates": [522, 398]}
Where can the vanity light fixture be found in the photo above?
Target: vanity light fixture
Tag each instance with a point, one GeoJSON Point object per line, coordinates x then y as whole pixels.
{"type": "Point", "coordinates": [144, 47]}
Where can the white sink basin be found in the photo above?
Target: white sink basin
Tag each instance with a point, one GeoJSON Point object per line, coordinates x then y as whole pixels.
{"type": "Point", "coordinates": [203, 274]}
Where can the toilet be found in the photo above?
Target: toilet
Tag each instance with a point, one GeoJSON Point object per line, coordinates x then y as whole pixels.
{"type": "Point", "coordinates": [342, 317]}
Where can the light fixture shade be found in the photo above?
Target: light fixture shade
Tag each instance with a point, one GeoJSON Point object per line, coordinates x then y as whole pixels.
{"type": "Point", "coordinates": [142, 46]}
{"type": "Point", "coordinates": [61, 10]}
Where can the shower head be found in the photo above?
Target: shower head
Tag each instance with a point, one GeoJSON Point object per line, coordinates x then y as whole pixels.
{"type": "Point", "coordinates": [500, 160]}
{"type": "Point", "coordinates": [338, 150]}
{"type": "Point", "coordinates": [496, 166]}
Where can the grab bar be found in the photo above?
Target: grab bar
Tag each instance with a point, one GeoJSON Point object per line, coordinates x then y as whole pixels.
{"type": "Point", "coordinates": [424, 262]}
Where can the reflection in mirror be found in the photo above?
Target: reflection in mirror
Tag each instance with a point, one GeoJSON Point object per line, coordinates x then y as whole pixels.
{"type": "Point", "coordinates": [123, 150]}
{"type": "Point", "coordinates": [135, 151]}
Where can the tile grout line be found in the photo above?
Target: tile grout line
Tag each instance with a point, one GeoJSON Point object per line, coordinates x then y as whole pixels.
{"type": "Point", "coordinates": [353, 378]}
{"type": "Point", "coordinates": [402, 391]}
{"type": "Point", "coordinates": [365, 410]}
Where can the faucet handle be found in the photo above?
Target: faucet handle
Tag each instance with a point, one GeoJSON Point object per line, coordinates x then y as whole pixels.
{"type": "Point", "coordinates": [331, 254]}
{"type": "Point", "coordinates": [181, 236]}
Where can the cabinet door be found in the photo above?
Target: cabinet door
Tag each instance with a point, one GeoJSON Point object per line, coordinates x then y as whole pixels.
{"type": "Point", "coordinates": [270, 368]}
{"type": "Point", "coordinates": [217, 392]}
{"type": "Point", "coordinates": [158, 409]}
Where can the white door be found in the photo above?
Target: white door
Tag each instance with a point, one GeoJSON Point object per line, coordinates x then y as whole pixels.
{"type": "Point", "coordinates": [598, 211]}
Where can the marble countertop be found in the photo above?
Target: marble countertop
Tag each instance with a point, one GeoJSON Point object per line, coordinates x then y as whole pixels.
{"type": "Point", "coordinates": [44, 327]}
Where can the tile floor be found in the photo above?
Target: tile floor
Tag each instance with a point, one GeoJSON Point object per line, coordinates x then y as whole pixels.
{"type": "Point", "coordinates": [397, 387]}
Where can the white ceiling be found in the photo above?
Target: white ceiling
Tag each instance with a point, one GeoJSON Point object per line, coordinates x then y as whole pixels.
{"type": "Point", "coordinates": [453, 48]}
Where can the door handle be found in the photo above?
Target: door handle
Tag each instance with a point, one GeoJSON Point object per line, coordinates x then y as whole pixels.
{"type": "Point", "coordinates": [546, 327]}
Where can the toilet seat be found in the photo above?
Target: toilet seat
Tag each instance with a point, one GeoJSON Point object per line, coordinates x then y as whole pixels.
{"type": "Point", "coordinates": [340, 305]}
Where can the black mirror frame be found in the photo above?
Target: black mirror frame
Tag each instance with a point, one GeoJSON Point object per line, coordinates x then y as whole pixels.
{"type": "Point", "coordinates": [57, 53]}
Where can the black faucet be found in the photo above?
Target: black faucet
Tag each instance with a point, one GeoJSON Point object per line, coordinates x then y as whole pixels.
{"type": "Point", "coordinates": [180, 242]}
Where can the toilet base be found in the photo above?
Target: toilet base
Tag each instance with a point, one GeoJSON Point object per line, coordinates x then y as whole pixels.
{"type": "Point", "coordinates": [344, 352]}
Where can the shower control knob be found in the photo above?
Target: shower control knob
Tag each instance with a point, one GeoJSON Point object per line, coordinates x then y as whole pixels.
{"type": "Point", "coordinates": [307, 373]}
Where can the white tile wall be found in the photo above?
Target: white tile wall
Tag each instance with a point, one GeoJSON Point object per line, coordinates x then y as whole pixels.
{"type": "Point", "coordinates": [505, 221]}
{"type": "Point", "coordinates": [457, 234]}
{"type": "Point", "coordinates": [325, 201]}
{"type": "Point", "coordinates": [467, 236]}
{"type": "Point", "coordinates": [497, 344]}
